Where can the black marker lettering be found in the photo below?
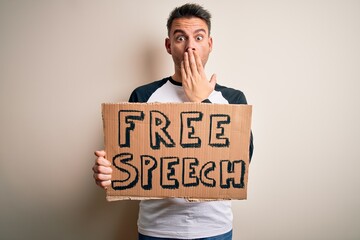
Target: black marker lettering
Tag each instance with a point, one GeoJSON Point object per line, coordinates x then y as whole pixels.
{"type": "Point", "coordinates": [158, 124]}
{"type": "Point", "coordinates": [187, 139]}
{"type": "Point", "coordinates": [232, 172]}
{"type": "Point", "coordinates": [167, 177]}
{"type": "Point", "coordinates": [205, 170]}
{"type": "Point", "coordinates": [189, 172]}
{"type": "Point", "coordinates": [217, 138]}
{"type": "Point", "coordinates": [126, 124]}
{"type": "Point", "coordinates": [148, 164]}
{"type": "Point", "coordinates": [121, 162]}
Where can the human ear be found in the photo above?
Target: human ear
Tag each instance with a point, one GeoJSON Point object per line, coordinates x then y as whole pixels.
{"type": "Point", "coordinates": [168, 45]}
{"type": "Point", "coordinates": [210, 43]}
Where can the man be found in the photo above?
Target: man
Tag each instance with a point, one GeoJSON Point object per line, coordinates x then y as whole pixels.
{"type": "Point", "coordinates": [189, 43]}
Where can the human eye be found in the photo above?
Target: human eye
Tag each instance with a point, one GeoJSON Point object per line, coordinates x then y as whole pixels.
{"type": "Point", "coordinates": [180, 38]}
{"type": "Point", "coordinates": [199, 37]}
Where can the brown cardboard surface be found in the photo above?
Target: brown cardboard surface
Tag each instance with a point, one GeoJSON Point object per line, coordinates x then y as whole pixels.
{"type": "Point", "coordinates": [185, 150]}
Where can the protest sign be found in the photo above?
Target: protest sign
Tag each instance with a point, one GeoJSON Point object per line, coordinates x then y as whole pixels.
{"type": "Point", "coordinates": [186, 150]}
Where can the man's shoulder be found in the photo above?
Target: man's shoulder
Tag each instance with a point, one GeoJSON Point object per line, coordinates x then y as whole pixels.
{"type": "Point", "coordinates": [144, 92]}
{"type": "Point", "coordinates": [154, 84]}
{"type": "Point", "coordinates": [223, 88]}
{"type": "Point", "coordinates": [232, 95]}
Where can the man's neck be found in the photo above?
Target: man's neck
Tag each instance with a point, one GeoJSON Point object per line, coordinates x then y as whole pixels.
{"type": "Point", "coordinates": [176, 78]}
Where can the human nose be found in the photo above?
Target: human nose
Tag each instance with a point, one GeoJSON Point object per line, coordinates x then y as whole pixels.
{"type": "Point", "coordinates": [190, 44]}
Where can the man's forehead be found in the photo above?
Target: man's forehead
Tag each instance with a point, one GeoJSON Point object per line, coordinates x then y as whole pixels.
{"type": "Point", "coordinates": [188, 24]}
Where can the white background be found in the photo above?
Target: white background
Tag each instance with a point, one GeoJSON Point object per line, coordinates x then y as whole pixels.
{"type": "Point", "coordinates": [298, 62]}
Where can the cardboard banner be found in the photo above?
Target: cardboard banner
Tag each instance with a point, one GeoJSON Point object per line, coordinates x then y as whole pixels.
{"type": "Point", "coordinates": [185, 150]}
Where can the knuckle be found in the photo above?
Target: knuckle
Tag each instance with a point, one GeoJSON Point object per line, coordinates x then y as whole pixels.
{"type": "Point", "coordinates": [107, 162]}
{"type": "Point", "coordinates": [99, 153]}
{"type": "Point", "coordinates": [105, 170]}
{"type": "Point", "coordinates": [100, 184]}
{"type": "Point", "coordinates": [105, 183]}
{"type": "Point", "coordinates": [100, 169]}
{"type": "Point", "coordinates": [101, 161]}
{"type": "Point", "coordinates": [102, 177]}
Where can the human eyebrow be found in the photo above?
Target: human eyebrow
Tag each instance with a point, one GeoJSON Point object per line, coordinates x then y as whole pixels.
{"type": "Point", "coordinates": [200, 30]}
{"type": "Point", "coordinates": [178, 31]}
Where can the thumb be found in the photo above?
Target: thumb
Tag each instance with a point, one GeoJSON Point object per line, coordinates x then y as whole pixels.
{"type": "Point", "coordinates": [100, 153]}
{"type": "Point", "coordinates": [213, 80]}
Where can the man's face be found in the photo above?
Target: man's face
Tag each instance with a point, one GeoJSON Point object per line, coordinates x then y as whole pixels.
{"type": "Point", "coordinates": [188, 33]}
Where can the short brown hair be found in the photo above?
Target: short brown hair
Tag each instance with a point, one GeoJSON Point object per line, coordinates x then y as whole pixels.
{"type": "Point", "coordinates": [189, 10]}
